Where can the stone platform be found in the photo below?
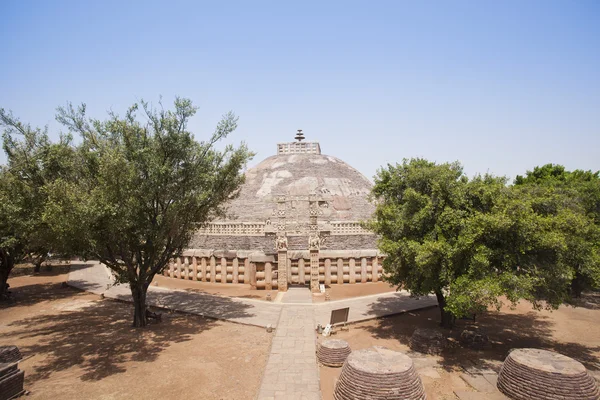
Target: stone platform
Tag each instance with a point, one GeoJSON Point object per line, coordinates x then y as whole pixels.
{"type": "Point", "coordinates": [333, 352]}
{"type": "Point", "coordinates": [535, 374]}
{"type": "Point", "coordinates": [378, 373]}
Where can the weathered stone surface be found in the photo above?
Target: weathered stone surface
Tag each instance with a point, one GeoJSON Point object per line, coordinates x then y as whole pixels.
{"type": "Point", "coordinates": [535, 374]}
{"type": "Point", "coordinates": [333, 352]}
{"type": "Point", "coordinates": [378, 373]}
{"type": "Point", "coordinates": [428, 341]}
{"type": "Point", "coordinates": [11, 381]}
{"type": "Point", "coordinates": [9, 354]}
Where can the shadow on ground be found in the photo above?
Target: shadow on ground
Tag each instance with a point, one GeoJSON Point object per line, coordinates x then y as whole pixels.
{"type": "Point", "coordinates": [28, 295]}
{"type": "Point", "coordinates": [78, 329]}
{"type": "Point", "coordinates": [505, 330]}
{"type": "Point", "coordinates": [98, 337]}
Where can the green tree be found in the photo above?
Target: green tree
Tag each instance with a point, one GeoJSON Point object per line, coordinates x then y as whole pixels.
{"type": "Point", "coordinates": [143, 189]}
{"type": "Point", "coordinates": [421, 211]}
{"type": "Point", "coordinates": [571, 199]}
{"type": "Point", "coordinates": [471, 241]}
{"type": "Point", "coordinates": [33, 163]}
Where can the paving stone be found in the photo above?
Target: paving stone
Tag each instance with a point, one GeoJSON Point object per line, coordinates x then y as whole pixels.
{"type": "Point", "coordinates": [479, 383]}
{"type": "Point", "coordinates": [466, 395]}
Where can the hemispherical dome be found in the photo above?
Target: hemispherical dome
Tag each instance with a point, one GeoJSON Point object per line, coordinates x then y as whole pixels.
{"type": "Point", "coordinates": [342, 190]}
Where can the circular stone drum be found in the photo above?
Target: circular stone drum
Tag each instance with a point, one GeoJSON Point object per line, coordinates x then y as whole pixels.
{"type": "Point", "coordinates": [333, 352]}
{"type": "Point", "coordinates": [378, 373]}
{"type": "Point", "coordinates": [535, 374]}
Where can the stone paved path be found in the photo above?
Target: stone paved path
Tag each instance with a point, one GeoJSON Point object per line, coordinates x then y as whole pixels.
{"type": "Point", "coordinates": [292, 372]}
{"type": "Point", "coordinates": [297, 295]}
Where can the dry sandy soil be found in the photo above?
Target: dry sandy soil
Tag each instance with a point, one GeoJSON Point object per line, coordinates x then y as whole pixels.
{"type": "Point", "coordinates": [336, 292]}
{"type": "Point", "coordinates": [83, 347]}
{"type": "Point", "coordinates": [573, 331]}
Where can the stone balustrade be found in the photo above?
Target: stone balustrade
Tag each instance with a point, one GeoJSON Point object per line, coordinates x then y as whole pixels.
{"type": "Point", "coordinates": [261, 270]}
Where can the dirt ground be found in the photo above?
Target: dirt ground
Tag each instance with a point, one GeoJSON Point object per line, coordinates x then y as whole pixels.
{"type": "Point", "coordinates": [220, 289]}
{"type": "Point", "coordinates": [78, 346]}
{"type": "Point", "coordinates": [573, 331]}
{"type": "Point", "coordinates": [336, 292]}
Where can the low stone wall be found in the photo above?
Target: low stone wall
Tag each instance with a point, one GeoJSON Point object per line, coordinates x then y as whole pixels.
{"type": "Point", "coordinates": [260, 270]}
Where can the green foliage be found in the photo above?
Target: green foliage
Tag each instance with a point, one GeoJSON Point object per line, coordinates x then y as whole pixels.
{"type": "Point", "coordinates": [143, 189]}
{"type": "Point", "coordinates": [472, 241]}
{"type": "Point", "coordinates": [571, 201]}
{"type": "Point", "coordinates": [33, 164]}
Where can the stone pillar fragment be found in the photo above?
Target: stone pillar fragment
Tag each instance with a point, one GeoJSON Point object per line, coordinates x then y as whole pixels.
{"type": "Point", "coordinates": [223, 270]}
{"type": "Point", "coordinates": [375, 269]}
{"type": "Point", "coordinates": [236, 270]}
{"type": "Point", "coordinates": [327, 271]}
{"type": "Point", "coordinates": [179, 268]}
{"type": "Point", "coordinates": [247, 270]}
{"type": "Point", "coordinates": [186, 268]}
{"type": "Point", "coordinates": [352, 268]}
{"type": "Point", "coordinates": [203, 269]}
{"type": "Point", "coordinates": [195, 268]}
{"type": "Point", "coordinates": [301, 278]}
{"type": "Point", "coordinates": [363, 270]}
{"type": "Point", "coordinates": [282, 261]}
{"type": "Point", "coordinates": [213, 269]}
{"type": "Point", "coordinates": [268, 276]}
{"type": "Point", "coordinates": [314, 271]}
{"type": "Point", "coordinates": [340, 265]}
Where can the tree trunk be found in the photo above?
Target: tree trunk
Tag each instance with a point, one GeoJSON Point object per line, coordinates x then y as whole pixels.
{"type": "Point", "coordinates": [577, 285]}
{"type": "Point", "coordinates": [447, 317]}
{"type": "Point", "coordinates": [6, 265]}
{"type": "Point", "coordinates": [38, 264]}
{"type": "Point", "coordinates": [138, 291]}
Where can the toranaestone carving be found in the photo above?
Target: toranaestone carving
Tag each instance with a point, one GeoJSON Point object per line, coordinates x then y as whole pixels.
{"type": "Point", "coordinates": [281, 243]}
{"type": "Point", "coordinates": [314, 242]}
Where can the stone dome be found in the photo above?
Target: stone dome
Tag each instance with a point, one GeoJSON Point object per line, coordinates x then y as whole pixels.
{"type": "Point", "coordinates": [296, 176]}
{"type": "Point", "coordinates": [297, 221]}
{"type": "Point", "coordinates": [296, 193]}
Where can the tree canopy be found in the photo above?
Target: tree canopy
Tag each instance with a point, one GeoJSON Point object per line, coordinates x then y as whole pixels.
{"type": "Point", "coordinates": [33, 163]}
{"type": "Point", "coordinates": [143, 188]}
{"type": "Point", "coordinates": [470, 241]}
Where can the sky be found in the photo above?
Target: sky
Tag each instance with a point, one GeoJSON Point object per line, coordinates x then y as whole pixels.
{"type": "Point", "coordinates": [501, 86]}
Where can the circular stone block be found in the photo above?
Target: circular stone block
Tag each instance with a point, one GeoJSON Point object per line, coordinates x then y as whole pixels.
{"type": "Point", "coordinates": [535, 374]}
{"type": "Point", "coordinates": [378, 373]}
{"type": "Point", "coordinates": [428, 341]}
{"type": "Point", "coordinates": [333, 352]}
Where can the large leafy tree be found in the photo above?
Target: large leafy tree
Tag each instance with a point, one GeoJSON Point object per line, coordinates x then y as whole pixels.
{"type": "Point", "coordinates": [572, 200]}
{"type": "Point", "coordinates": [33, 163]}
{"type": "Point", "coordinates": [144, 186]}
{"type": "Point", "coordinates": [472, 241]}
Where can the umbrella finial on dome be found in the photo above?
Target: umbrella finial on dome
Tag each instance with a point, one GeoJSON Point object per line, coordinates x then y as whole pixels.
{"type": "Point", "coordinates": [299, 136]}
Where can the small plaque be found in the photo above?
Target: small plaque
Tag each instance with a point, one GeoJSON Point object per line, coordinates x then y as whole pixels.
{"type": "Point", "coordinates": [339, 316]}
{"type": "Point", "coordinates": [322, 288]}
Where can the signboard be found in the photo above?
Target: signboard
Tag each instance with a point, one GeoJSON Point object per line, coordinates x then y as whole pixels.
{"type": "Point", "coordinates": [339, 316]}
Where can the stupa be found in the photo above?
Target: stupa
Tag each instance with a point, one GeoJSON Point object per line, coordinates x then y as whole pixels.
{"type": "Point", "coordinates": [296, 221]}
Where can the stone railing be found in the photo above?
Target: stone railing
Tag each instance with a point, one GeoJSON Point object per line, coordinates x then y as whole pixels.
{"type": "Point", "coordinates": [261, 228]}
{"type": "Point", "coordinates": [260, 270]}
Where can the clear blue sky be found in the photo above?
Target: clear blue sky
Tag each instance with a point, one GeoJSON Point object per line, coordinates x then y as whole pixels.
{"type": "Point", "coordinates": [501, 86]}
